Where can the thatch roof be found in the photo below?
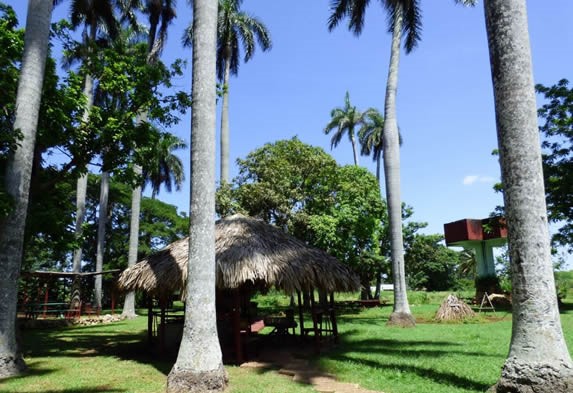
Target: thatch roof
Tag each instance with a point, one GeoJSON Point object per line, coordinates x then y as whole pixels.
{"type": "Point", "coordinates": [247, 250]}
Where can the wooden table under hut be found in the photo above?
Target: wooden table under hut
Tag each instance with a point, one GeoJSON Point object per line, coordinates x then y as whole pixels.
{"type": "Point", "coordinates": [251, 256]}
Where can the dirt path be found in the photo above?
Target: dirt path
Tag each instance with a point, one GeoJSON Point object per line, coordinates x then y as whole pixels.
{"type": "Point", "coordinates": [301, 370]}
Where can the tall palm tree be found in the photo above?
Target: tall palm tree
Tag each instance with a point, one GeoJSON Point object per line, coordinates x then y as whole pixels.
{"type": "Point", "coordinates": [161, 14]}
{"type": "Point", "coordinates": [370, 137]}
{"type": "Point", "coordinates": [345, 120]}
{"type": "Point", "coordinates": [405, 19]}
{"type": "Point", "coordinates": [92, 15]}
{"type": "Point", "coordinates": [235, 27]}
{"type": "Point", "coordinates": [538, 359]}
{"type": "Point", "coordinates": [17, 179]}
{"type": "Point", "coordinates": [199, 365]}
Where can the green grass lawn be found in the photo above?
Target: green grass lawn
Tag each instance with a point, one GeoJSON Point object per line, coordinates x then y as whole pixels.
{"type": "Point", "coordinates": [465, 357]}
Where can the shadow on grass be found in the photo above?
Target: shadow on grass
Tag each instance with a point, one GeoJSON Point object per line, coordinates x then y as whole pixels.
{"type": "Point", "coordinates": [443, 378]}
{"type": "Point", "coordinates": [406, 348]}
{"type": "Point", "coordinates": [89, 341]}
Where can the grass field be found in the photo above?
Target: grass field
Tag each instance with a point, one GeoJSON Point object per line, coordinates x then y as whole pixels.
{"type": "Point", "coordinates": [464, 357]}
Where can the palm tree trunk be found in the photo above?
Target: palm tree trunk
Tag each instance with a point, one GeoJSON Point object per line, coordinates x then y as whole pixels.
{"type": "Point", "coordinates": [102, 222]}
{"type": "Point", "coordinates": [401, 314]}
{"type": "Point", "coordinates": [82, 183]}
{"type": "Point", "coordinates": [199, 366]}
{"type": "Point", "coordinates": [17, 179]}
{"type": "Point", "coordinates": [538, 359]}
{"type": "Point", "coordinates": [225, 124]}
{"type": "Point", "coordinates": [353, 143]}
{"type": "Point", "coordinates": [129, 303]}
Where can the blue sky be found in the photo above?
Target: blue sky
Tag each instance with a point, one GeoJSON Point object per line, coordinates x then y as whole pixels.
{"type": "Point", "coordinates": [445, 99]}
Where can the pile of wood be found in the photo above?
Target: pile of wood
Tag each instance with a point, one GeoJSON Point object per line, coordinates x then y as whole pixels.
{"type": "Point", "coordinates": [453, 309]}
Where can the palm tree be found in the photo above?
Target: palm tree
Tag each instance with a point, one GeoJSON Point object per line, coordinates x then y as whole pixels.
{"type": "Point", "coordinates": [538, 359]}
{"type": "Point", "coordinates": [405, 19]}
{"type": "Point", "coordinates": [92, 15]}
{"type": "Point", "coordinates": [345, 120]}
{"type": "Point", "coordinates": [17, 179]}
{"type": "Point", "coordinates": [162, 167]}
{"type": "Point", "coordinates": [235, 27]}
{"type": "Point", "coordinates": [370, 137]}
{"type": "Point", "coordinates": [199, 365]}
{"type": "Point", "coordinates": [161, 14]}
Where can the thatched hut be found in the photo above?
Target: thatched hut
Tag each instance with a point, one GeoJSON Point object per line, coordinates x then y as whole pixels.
{"type": "Point", "coordinates": [247, 250]}
{"type": "Point", "coordinates": [249, 253]}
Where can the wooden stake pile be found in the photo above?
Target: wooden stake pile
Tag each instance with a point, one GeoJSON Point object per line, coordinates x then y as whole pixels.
{"type": "Point", "coordinates": [453, 309]}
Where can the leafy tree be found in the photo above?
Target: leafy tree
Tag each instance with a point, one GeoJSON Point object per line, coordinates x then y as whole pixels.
{"type": "Point", "coordinates": [17, 178]}
{"type": "Point", "coordinates": [235, 29]}
{"type": "Point", "coordinates": [430, 265]}
{"type": "Point", "coordinates": [346, 120]}
{"type": "Point", "coordinates": [281, 179]}
{"type": "Point", "coordinates": [557, 131]}
{"type": "Point", "coordinates": [199, 365]}
{"type": "Point", "coordinates": [538, 359]}
{"type": "Point", "coordinates": [301, 189]}
{"type": "Point", "coordinates": [349, 226]}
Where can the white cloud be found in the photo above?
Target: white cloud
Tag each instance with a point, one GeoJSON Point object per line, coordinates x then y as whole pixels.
{"type": "Point", "coordinates": [471, 179]}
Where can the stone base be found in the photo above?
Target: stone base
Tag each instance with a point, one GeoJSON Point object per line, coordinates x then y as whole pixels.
{"type": "Point", "coordinates": [401, 319]}
{"type": "Point", "coordinates": [11, 366]}
{"type": "Point", "coordinates": [186, 381]}
{"type": "Point", "coordinates": [534, 378]}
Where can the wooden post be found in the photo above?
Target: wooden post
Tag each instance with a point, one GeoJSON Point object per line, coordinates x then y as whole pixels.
{"type": "Point", "coordinates": [333, 318]}
{"type": "Point", "coordinates": [315, 323]}
{"type": "Point", "coordinates": [162, 328]}
{"type": "Point", "coordinates": [300, 314]}
{"type": "Point", "coordinates": [45, 300]}
{"type": "Point", "coordinates": [149, 319]}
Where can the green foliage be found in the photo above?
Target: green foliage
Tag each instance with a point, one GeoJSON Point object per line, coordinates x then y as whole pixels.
{"type": "Point", "coordinates": [301, 188]}
{"type": "Point", "coordinates": [557, 145]}
{"type": "Point", "coordinates": [430, 264]}
{"type": "Point", "coordinates": [11, 47]}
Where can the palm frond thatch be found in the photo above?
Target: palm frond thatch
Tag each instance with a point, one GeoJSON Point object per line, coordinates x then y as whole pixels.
{"type": "Point", "coordinates": [453, 309]}
{"type": "Point", "coordinates": [247, 250]}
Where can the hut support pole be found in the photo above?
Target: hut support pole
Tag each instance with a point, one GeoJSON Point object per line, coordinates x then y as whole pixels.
{"type": "Point", "coordinates": [46, 293]}
{"type": "Point", "coordinates": [149, 319]}
{"type": "Point", "coordinates": [315, 323]}
{"type": "Point", "coordinates": [162, 327]}
{"type": "Point", "coordinates": [333, 318]}
{"type": "Point", "coordinates": [300, 314]}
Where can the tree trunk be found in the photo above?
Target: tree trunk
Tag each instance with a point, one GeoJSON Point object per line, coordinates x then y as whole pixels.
{"type": "Point", "coordinates": [82, 183]}
{"type": "Point", "coordinates": [81, 192]}
{"type": "Point", "coordinates": [401, 314]}
{"type": "Point", "coordinates": [129, 303]}
{"type": "Point", "coordinates": [353, 143]}
{"type": "Point", "coordinates": [17, 179]}
{"type": "Point", "coordinates": [225, 123]}
{"type": "Point", "coordinates": [199, 365]}
{"type": "Point", "coordinates": [102, 222]}
{"type": "Point", "coordinates": [538, 360]}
